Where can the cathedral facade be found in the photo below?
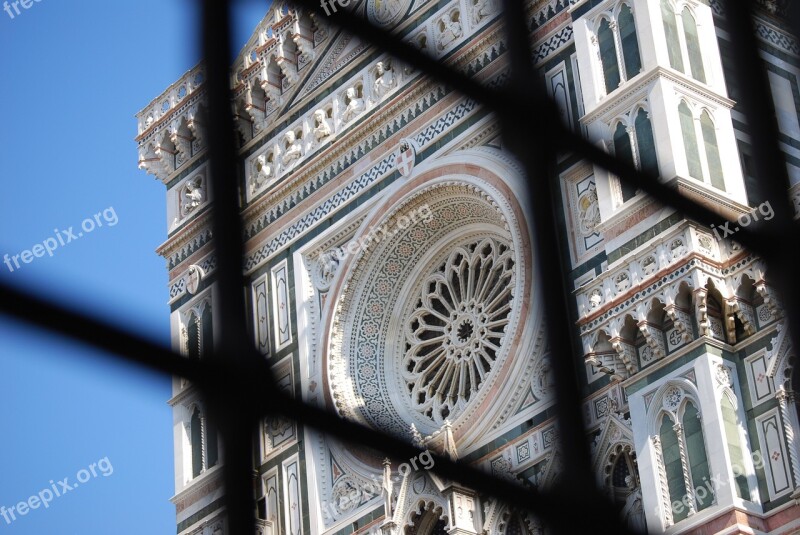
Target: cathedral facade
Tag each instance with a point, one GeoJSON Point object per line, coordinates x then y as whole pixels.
{"type": "Point", "coordinates": [391, 276]}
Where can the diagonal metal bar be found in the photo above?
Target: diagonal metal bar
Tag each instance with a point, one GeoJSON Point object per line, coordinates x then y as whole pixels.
{"type": "Point", "coordinates": [536, 152]}
{"type": "Point", "coordinates": [525, 111]}
{"type": "Point", "coordinates": [245, 379]}
{"type": "Point", "coordinates": [237, 381]}
{"type": "Point", "coordinates": [756, 102]}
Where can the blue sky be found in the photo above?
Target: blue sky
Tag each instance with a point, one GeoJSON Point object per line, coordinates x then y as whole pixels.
{"type": "Point", "coordinates": [74, 73]}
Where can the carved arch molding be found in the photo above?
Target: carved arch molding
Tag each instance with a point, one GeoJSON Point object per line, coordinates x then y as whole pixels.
{"type": "Point", "coordinates": [432, 315]}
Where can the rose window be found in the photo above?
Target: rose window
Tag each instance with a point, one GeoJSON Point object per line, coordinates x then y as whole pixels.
{"type": "Point", "coordinates": [457, 327]}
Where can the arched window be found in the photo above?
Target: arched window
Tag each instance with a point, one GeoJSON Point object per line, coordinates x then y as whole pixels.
{"type": "Point", "coordinates": [697, 459]}
{"type": "Point", "coordinates": [193, 336]}
{"type": "Point", "coordinates": [196, 430]}
{"type": "Point", "coordinates": [212, 445]}
{"type": "Point", "coordinates": [693, 49]}
{"type": "Point", "coordinates": [608, 55]}
{"type": "Point", "coordinates": [199, 332]}
{"type": "Point", "coordinates": [645, 142]}
{"type": "Point", "coordinates": [671, 32]}
{"type": "Point", "coordinates": [514, 526]}
{"type": "Point", "coordinates": [705, 165]}
{"type": "Point", "coordinates": [731, 422]}
{"type": "Point", "coordinates": [618, 46]}
{"type": "Point", "coordinates": [684, 458]}
{"type": "Point", "coordinates": [690, 141]}
{"type": "Point", "coordinates": [630, 44]}
{"type": "Point", "coordinates": [204, 442]}
{"type": "Point", "coordinates": [712, 151]}
{"type": "Point", "coordinates": [206, 331]}
{"type": "Point", "coordinates": [673, 467]}
{"type": "Point", "coordinates": [636, 147]}
{"type": "Point", "coordinates": [623, 149]}
{"type": "Point", "coordinates": [683, 41]}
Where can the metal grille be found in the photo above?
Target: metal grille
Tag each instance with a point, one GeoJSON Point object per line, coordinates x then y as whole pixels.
{"type": "Point", "coordinates": [236, 381]}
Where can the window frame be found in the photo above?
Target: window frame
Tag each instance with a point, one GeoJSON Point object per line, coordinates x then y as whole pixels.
{"type": "Point", "coordinates": [611, 16]}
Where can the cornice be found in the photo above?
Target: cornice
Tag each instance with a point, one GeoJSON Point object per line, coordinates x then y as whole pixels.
{"type": "Point", "coordinates": [420, 89]}
{"type": "Point", "coordinates": [639, 84]}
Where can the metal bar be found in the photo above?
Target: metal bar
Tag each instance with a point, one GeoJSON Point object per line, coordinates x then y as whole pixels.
{"type": "Point", "coordinates": [231, 410]}
{"type": "Point", "coordinates": [234, 377]}
{"type": "Point", "coordinates": [536, 151]}
{"type": "Point", "coordinates": [504, 104]}
{"type": "Point", "coordinates": [244, 381]}
{"type": "Point", "coordinates": [756, 102]}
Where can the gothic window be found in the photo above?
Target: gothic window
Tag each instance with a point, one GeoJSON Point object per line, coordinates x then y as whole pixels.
{"type": "Point", "coordinates": [515, 526]}
{"type": "Point", "coordinates": [671, 457]}
{"type": "Point", "coordinates": [630, 44]}
{"type": "Point", "coordinates": [697, 459]}
{"type": "Point", "coordinates": [683, 41]}
{"type": "Point", "coordinates": [198, 332]}
{"type": "Point", "coordinates": [623, 478]}
{"type": "Point", "coordinates": [196, 427]}
{"type": "Point", "coordinates": [712, 151]}
{"type": "Point", "coordinates": [204, 443]}
{"type": "Point", "coordinates": [693, 46]}
{"type": "Point", "coordinates": [715, 313]}
{"type": "Point", "coordinates": [684, 458]}
{"type": "Point", "coordinates": [706, 164]}
{"type": "Point", "coordinates": [690, 141]}
{"type": "Point", "coordinates": [671, 32]}
{"type": "Point", "coordinates": [623, 149]}
{"type": "Point", "coordinates": [608, 55]}
{"type": "Point", "coordinates": [685, 463]}
{"type": "Point", "coordinates": [645, 142]}
{"type": "Point", "coordinates": [635, 145]}
{"type": "Point", "coordinates": [731, 423]}
{"type": "Point", "coordinates": [618, 47]}
{"type": "Point", "coordinates": [193, 337]}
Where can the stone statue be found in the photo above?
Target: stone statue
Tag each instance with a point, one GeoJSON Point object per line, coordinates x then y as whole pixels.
{"type": "Point", "coordinates": [482, 9]}
{"type": "Point", "coordinates": [633, 510]}
{"type": "Point", "coordinates": [293, 150]}
{"type": "Point", "coordinates": [262, 172]}
{"type": "Point", "coordinates": [322, 127]}
{"type": "Point", "coordinates": [193, 197]}
{"type": "Point", "coordinates": [355, 105]}
{"type": "Point", "coordinates": [387, 487]}
{"type": "Point", "coordinates": [449, 31]}
{"type": "Point", "coordinates": [384, 80]}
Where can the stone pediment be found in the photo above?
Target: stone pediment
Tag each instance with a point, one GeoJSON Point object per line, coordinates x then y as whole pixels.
{"type": "Point", "coordinates": [343, 50]}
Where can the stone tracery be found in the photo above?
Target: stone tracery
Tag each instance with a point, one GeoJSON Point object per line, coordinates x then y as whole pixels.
{"type": "Point", "coordinates": [457, 328]}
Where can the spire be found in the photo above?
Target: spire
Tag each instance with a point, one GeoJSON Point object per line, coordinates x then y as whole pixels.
{"type": "Point", "coordinates": [449, 444]}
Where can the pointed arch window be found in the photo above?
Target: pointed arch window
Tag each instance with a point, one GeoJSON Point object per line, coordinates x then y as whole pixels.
{"type": "Point", "coordinates": [690, 141]}
{"type": "Point", "coordinates": [630, 43]}
{"type": "Point", "coordinates": [635, 145]}
{"type": "Point", "coordinates": [199, 332]}
{"type": "Point", "coordinates": [685, 462]}
{"type": "Point", "coordinates": [683, 41]}
{"type": "Point", "coordinates": [204, 443]}
{"type": "Point", "coordinates": [196, 428]}
{"type": "Point", "coordinates": [671, 457]}
{"type": "Point", "coordinates": [697, 458]}
{"type": "Point", "coordinates": [608, 55]}
{"type": "Point", "coordinates": [731, 423]}
{"type": "Point", "coordinates": [618, 47]}
{"type": "Point", "coordinates": [712, 151]}
{"type": "Point", "coordinates": [705, 164]}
